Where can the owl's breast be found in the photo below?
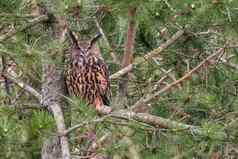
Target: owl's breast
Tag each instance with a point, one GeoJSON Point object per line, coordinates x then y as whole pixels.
{"type": "Point", "coordinates": [87, 77]}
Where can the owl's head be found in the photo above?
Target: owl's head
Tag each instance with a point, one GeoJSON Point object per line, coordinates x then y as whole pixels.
{"type": "Point", "coordinates": [86, 47]}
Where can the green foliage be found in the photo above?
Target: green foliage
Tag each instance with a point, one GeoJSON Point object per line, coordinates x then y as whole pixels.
{"type": "Point", "coordinates": [81, 109]}
{"type": "Point", "coordinates": [21, 136]}
{"type": "Point", "coordinates": [40, 121]}
{"type": "Point", "coordinates": [211, 129]}
{"type": "Point", "coordinates": [9, 5]}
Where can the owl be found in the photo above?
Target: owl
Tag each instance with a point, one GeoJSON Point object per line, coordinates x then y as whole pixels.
{"type": "Point", "coordinates": [86, 74]}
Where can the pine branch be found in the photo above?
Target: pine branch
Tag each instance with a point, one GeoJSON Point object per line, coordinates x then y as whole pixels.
{"type": "Point", "coordinates": [149, 55]}
{"type": "Point", "coordinates": [28, 25]}
{"type": "Point", "coordinates": [155, 121]}
{"type": "Point", "coordinates": [145, 100]}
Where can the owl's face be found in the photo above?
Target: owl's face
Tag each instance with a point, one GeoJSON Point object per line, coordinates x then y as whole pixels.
{"type": "Point", "coordinates": [85, 47]}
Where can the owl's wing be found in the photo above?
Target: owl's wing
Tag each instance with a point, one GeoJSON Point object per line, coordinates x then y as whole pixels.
{"type": "Point", "coordinates": [103, 83]}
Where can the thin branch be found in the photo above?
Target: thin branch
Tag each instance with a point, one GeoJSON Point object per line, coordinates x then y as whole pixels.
{"type": "Point", "coordinates": [167, 123]}
{"type": "Point", "coordinates": [28, 25]}
{"type": "Point", "coordinates": [161, 80]}
{"type": "Point", "coordinates": [145, 100]}
{"type": "Point", "coordinates": [17, 15]}
{"type": "Point", "coordinates": [24, 86]}
{"type": "Point", "coordinates": [149, 55]}
{"type": "Point", "coordinates": [170, 75]}
{"type": "Point", "coordinates": [69, 130]}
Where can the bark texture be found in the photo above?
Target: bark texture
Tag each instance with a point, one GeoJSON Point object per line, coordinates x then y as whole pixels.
{"type": "Point", "coordinates": [53, 90]}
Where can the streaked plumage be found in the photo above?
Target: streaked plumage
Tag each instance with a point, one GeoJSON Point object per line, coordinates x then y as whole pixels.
{"type": "Point", "coordinates": [86, 74]}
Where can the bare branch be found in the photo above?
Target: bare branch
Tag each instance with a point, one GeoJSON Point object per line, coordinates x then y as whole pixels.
{"type": "Point", "coordinates": [150, 55]}
{"type": "Point", "coordinates": [157, 121]}
{"type": "Point", "coordinates": [24, 86]}
{"type": "Point", "coordinates": [171, 75]}
{"type": "Point", "coordinates": [98, 120]}
{"type": "Point", "coordinates": [165, 123]}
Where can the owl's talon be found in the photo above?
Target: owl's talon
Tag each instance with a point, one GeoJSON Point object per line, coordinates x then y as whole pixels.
{"type": "Point", "coordinates": [104, 109]}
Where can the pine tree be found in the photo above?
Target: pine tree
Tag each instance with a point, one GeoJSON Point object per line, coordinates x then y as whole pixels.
{"type": "Point", "coordinates": [180, 82]}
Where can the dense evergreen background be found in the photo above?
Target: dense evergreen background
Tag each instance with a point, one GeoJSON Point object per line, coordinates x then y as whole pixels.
{"type": "Point", "coordinates": [208, 99]}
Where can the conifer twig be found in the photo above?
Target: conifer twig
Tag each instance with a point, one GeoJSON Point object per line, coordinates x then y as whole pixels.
{"type": "Point", "coordinates": [28, 25]}
{"type": "Point", "coordinates": [232, 65]}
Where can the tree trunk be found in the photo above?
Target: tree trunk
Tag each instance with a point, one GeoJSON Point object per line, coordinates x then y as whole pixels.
{"type": "Point", "coordinates": [53, 87]}
{"type": "Point", "coordinates": [128, 51]}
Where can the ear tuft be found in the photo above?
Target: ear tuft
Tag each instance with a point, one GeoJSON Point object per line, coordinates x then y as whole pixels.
{"type": "Point", "coordinates": [73, 40]}
{"type": "Point", "coordinates": [94, 40]}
